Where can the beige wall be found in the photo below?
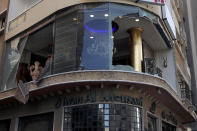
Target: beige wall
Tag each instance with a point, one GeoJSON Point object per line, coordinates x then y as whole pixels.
{"type": "Point", "coordinates": [3, 5]}
{"type": "Point", "coordinates": [48, 7]}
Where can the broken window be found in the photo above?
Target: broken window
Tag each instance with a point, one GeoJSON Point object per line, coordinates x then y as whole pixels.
{"type": "Point", "coordinates": [83, 37]}
{"type": "Point", "coordinates": [36, 60]}
{"type": "Point", "coordinates": [14, 50]}
{"type": "Point", "coordinates": [28, 58]}
{"type": "Point", "coordinates": [120, 21]}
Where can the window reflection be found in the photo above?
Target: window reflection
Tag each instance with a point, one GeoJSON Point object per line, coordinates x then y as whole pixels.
{"type": "Point", "coordinates": [95, 50]}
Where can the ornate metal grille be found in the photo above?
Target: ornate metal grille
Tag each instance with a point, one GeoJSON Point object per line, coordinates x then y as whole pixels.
{"type": "Point", "coordinates": [103, 117]}
{"type": "Point", "coordinates": [185, 91]}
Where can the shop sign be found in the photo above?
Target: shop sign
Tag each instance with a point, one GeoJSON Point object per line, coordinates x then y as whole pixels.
{"type": "Point", "coordinates": [158, 2]}
{"type": "Point", "coordinates": [91, 97]}
{"type": "Point", "coordinates": [169, 117]}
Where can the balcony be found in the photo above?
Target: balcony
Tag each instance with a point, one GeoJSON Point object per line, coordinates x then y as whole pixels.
{"type": "Point", "coordinates": [186, 95]}
{"type": "Point", "coordinates": [78, 81]}
{"type": "Point", "coordinates": [90, 37]}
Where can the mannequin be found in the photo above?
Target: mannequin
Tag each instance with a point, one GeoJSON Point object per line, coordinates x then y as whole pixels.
{"type": "Point", "coordinates": [35, 70]}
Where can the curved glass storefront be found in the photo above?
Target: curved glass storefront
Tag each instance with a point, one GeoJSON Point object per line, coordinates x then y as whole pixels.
{"type": "Point", "coordinates": [93, 38]}
{"type": "Point", "coordinates": [90, 36]}
{"type": "Point", "coordinates": [103, 117]}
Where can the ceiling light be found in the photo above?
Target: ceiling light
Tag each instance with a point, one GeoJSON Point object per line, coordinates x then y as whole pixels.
{"type": "Point", "coordinates": [91, 37]}
{"type": "Point", "coordinates": [91, 16]}
{"type": "Point", "coordinates": [106, 15]}
{"type": "Point", "coordinates": [137, 20]}
{"type": "Point", "coordinates": [74, 19]}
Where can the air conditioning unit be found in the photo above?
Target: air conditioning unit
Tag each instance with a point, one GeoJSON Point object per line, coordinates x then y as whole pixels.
{"type": "Point", "coordinates": [167, 17]}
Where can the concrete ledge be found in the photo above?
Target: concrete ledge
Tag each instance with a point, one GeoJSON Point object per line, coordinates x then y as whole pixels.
{"type": "Point", "coordinates": [141, 81]}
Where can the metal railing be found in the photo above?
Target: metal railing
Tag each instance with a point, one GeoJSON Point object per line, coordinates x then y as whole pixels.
{"type": "Point", "coordinates": [186, 93]}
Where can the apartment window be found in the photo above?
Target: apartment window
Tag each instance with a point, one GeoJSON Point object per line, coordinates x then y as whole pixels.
{"type": "Point", "coordinates": [103, 117]}
{"type": "Point", "coordinates": [42, 122]}
{"type": "Point", "coordinates": [185, 91]}
{"type": "Point", "coordinates": [2, 21]}
{"type": "Point", "coordinates": [168, 127]}
{"type": "Point", "coordinates": [152, 123]}
{"type": "Point", "coordinates": [28, 58]}
{"type": "Point", "coordinates": [5, 125]}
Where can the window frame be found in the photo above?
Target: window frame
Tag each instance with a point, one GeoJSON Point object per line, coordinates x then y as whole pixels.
{"type": "Point", "coordinates": [70, 107]}
{"type": "Point", "coordinates": [29, 119]}
{"type": "Point", "coordinates": [164, 121]}
{"type": "Point", "coordinates": [158, 127]}
{"type": "Point", "coordinates": [6, 122]}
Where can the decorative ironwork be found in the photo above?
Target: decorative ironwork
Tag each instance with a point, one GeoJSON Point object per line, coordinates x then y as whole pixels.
{"type": "Point", "coordinates": [103, 117]}
{"type": "Point", "coordinates": [150, 67]}
{"type": "Point", "coordinates": [185, 91]}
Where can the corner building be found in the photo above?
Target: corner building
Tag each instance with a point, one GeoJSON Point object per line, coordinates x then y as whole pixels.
{"type": "Point", "coordinates": [94, 66]}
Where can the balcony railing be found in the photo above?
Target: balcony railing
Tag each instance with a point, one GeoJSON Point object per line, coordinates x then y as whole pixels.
{"type": "Point", "coordinates": [185, 91]}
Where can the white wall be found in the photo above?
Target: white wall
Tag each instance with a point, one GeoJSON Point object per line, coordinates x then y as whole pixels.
{"type": "Point", "coordinates": [169, 73]}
